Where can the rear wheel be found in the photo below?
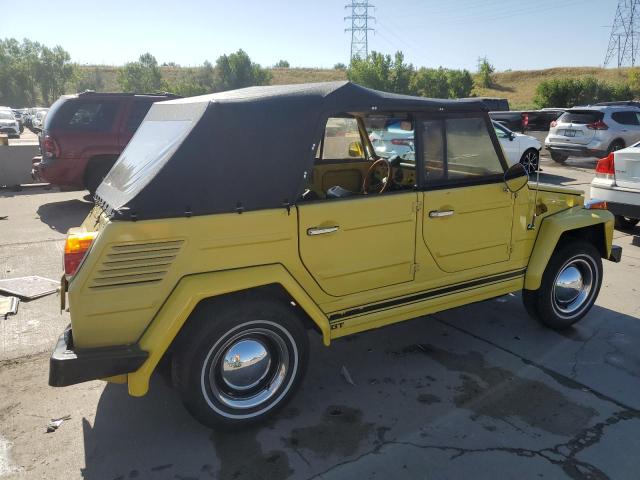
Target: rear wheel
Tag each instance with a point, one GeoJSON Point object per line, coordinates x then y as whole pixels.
{"type": "Point", "coordinates": [625, 223]}
{"type": "Point", "coordinates": [530, 160]}
{"type": "Point", "coordinates": [96, 171]}
{"type": "Point", "coordinates": [569, 288]}
{"type": "Point", "coordinates": [240, 361]}
{"type": "Point", "coordinates": [559, 157]}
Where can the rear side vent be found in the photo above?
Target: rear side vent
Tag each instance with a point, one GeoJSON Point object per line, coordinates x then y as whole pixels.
{"type": "Point", "coordinates": [137, 264]}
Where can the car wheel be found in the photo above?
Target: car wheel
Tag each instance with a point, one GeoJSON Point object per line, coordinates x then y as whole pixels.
{"type": "Point", "coordinates": [240, 362]}
{"type": "Point", "coordinates": [625, 223]}
{"type": "Point", "coordinates": [530, 160]}
{"type": "Point", "coordinates": [615, 145]}
{"type": "Point", "coordinates": [569, 288]}
{"type": "Point", "coordinates": [96, 171]}
{"type": "Point", "coordinates": [559, 157]}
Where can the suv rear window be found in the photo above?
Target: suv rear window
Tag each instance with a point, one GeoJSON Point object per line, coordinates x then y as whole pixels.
{"type": "Point", "coordinates": [581, 116]}
{"type": "Point", "coordinates": [85, 115]}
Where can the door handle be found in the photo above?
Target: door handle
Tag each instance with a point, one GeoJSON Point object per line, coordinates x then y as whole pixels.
{"type": "Point", "coordinates": [321, 230]}
{"type": "Point", "coordinates": [440, 213]}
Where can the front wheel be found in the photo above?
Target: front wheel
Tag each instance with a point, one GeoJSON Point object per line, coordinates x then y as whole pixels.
{"type": "Point", "coordinates": [569, 288]}
{"type": "Point", "coordinates": [240, 360]}
{"type": "Point", "coordinates": [625, 223]}
{"type": "Point", "coordinates": [530, 160]}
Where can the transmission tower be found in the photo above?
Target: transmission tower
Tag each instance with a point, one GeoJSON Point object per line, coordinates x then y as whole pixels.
{"type": "Point", "coordinates": [360, 28]}
{"type": "Point", "coordinates": [623, 43]}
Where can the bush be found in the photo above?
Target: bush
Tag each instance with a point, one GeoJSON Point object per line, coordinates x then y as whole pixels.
{"type": "Point", "coordinates": [569, 92]}
{"type": "Point", "coordinates": [282, 64]}
{"type": "Point", "coordinates": [237, 71]}
{"type": "Point", "coordinates": [485, 72]}
{"type": "Point", "coordinates": [142, 76]}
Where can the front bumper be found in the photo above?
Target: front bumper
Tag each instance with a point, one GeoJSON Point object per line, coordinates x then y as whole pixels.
{"type": "Point", "coordinates": [68, 366]}
{"type": "Point", "coordinates": [11, 131]}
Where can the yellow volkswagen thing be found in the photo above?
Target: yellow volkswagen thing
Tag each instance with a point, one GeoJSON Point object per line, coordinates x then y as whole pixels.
{"type": "Point", "coordinates": [235, 223]}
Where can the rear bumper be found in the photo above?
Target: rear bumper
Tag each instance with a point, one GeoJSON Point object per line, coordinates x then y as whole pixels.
{"type": "Point", "coordinates": [576, 150]}
{"type": "Point", "coordinates": [60, 172]}
{"type": "Point", "coordinates": [620, 201]}
{"type": "Point", "coordinates": [68, 367]}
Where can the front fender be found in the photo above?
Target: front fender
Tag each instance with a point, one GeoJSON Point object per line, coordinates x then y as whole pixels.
{"type": "Point", "coordinates": [194, 288]}
{"type": "Point", "coordinates": [552, 228]}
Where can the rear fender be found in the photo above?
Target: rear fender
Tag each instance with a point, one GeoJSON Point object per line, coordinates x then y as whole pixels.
{"type": "Point", "coordinates": [551, 230]}
{"type": "Point", "coordinates": [195, 288]}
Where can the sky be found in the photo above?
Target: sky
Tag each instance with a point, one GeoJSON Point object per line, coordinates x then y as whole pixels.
{"type": "Point", "coordinates": [516, 34]}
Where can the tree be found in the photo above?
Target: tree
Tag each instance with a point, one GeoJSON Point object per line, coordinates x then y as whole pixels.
{"type": "Point", "coordinates": [141, 76]}
{"type": "Point", "coordinates": [382, 72]}
{"type": "Point", "coordinates": [92, 79]}
{"type": "Point", "coordinates": [195, 81]}
{"type": "Point", "coordinates": [282, 64]}
{"type": "Point", "coordinates": [485, 72]}
{"type": "Point", "coordinates": [236, 70]}
{"type": "Point", "coordinates": [339, 66]}
{"type": "Point", "coordinates": [460, 83]}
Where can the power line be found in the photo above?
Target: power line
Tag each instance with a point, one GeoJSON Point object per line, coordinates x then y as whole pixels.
{"type": "Point", "coordinates": [360, 28]}
{"type": "Point", "coordinates": [623, 42]}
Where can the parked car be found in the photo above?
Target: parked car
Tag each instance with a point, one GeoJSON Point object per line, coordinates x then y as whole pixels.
{"type": "Point", "coordinates": [494, 104]}
{"type": "Point", "coordinates": [518, 147]}
{"type": "Point", "coordinates": [8, 123]}
{"type": "Point", "coordinates": [85, 133]}
{"type": "Point", "coordinates": [391, 139]}
{"type": "Point", "coordinates": [593, 131]}
{"type": "Point", "coordinates": [37, 122]}
{"type": "Point", "coordinates": [617, 182]}
{"type": "Point", "coordinates": [527, 120]}
{"type": "Point", "coordinates": [214, 246]}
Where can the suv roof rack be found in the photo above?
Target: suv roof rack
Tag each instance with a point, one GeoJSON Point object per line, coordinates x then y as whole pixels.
{"type": "Point", "coordinates": [621, 103]}
{"type": "Point", "coordinates": [129, 94]}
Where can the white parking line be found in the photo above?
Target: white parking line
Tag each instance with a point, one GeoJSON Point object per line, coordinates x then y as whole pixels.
{"type": "Point", "coordinates": [5, 463]}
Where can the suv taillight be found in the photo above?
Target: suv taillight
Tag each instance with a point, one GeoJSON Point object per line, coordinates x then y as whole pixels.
{"type": "Point", "coordinates": [50, 147]}
{"type": "Point", "coordinates": [525, 120]}
{"type": "Point", "coordinates": [598, 125]}
{"type": "Point", "coordinates": [605, 168]}
{"type": "Point", "coordinates": [75, 249]}
{"type": "Point", "coordinates": [401, 141]}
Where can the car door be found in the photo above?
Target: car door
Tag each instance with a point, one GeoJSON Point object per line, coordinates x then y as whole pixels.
{"type": "Point", "coordinates": [467, 214]}
{"type": "Point", "coordinates": [362, 241]}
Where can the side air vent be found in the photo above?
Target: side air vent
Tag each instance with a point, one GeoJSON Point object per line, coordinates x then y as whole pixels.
{"type": "Point", "coordinates": [136, 264]}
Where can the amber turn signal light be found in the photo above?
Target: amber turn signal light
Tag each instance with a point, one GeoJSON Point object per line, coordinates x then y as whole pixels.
{"type": "Point", "coordinates": [75, 249]}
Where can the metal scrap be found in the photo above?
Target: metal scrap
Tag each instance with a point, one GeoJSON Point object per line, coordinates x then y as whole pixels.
{"type": "Point", "coordinates": [9, 306]}
{"type": "Point", "coordinates": [347, 376]}
{"type": "Point", "coordinates": [55, 423]}
{"type": "Point", "coordinates": [29, 288]}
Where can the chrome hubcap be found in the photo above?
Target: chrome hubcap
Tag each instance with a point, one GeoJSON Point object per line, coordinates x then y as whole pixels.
{"type": "Point", "coordinates": [249, 369]}
{"type": "Point", "coordinates": [573, 286]}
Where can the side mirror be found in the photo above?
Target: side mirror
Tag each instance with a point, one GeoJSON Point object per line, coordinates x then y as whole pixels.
{"type": "Point", "coordinates": [516, 177]}
{"type": "Point", "coordinates": [356, 150]}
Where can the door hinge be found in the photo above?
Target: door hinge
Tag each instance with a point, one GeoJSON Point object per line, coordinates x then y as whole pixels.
{"type": "Point", "coordinates": [414, 268]}
{"type": "Point", "coordinates": [417, 206]}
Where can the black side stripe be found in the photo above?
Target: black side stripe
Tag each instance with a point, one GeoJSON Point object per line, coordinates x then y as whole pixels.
{"type": "Point", "coordinates": [425, 295]}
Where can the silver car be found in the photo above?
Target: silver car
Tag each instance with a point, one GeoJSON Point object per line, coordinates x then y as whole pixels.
{"type": "Point", "coordinates": [593, 131]}
{"type": "Point", "coordinates": [8, 123]}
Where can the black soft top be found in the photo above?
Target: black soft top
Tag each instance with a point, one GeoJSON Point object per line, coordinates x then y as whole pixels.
{"type": "Point", "coordinates": [239, 150]}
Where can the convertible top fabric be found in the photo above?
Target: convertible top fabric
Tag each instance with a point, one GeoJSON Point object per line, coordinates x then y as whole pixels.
{"type": "Point", "coordinates": [245, 149]}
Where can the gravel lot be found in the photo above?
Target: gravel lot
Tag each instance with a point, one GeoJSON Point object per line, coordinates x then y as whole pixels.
{"type": "Point", "coordinates": [477, 392]}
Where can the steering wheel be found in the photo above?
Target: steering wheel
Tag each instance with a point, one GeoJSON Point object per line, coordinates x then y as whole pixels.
{"type": "Point", "coordinates": [366, 184]}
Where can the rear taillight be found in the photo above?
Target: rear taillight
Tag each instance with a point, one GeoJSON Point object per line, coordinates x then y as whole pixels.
{"type": "Point", "coordinates": [401, 141]}
{"type": "Point", "coordinates": [599, 125]}
{"type": "Point", "coordinates": [553, 124]}
{"type": "Point", "coordinates": [605, 168]}
{"type": "Point", "coordinates": [75, 249]}
{"type": "Point", "coordinates": [50, 147]}
{"type": "Point", "coordinates": [525, 120]}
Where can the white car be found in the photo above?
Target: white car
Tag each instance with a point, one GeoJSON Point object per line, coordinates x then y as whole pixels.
{"type": "Point", "coordinates": [617, 182]}
{"type": "Point", "coordinates": [519, 148]}
{"type": "Point", "coordinates": [8, 123]}
{"type": "Point", "coordinates": [395, 138]}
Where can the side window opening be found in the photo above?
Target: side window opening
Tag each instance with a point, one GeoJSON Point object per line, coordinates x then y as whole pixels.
{"type": "Point", "coordinates": [363, 154]}
{"type": "Point", "coordinates": [88, 116]}
{"type": "Point", "coordinates": [458, 150]}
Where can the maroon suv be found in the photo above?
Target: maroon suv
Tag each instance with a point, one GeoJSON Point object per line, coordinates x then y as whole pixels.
{"type": "Point", "coordinates": [85, 133]}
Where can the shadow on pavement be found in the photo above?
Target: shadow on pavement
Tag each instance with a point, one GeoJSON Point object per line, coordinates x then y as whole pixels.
{"type": "Point", "coordinates": [61, 216]}
{"type": "Point", "coordinates": [551, 178]}
{"type": "Point", "coordinates": [425, 391]}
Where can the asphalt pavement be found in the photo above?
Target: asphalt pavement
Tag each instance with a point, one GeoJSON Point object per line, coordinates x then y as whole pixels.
{"type": "Point", "coordinates": [480, 392]}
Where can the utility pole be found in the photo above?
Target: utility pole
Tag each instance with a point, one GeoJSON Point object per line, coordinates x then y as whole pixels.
{"type": "Point", "coordinates": [624, 34]}
{"type": "Point", "coordinates": [360, 28]}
